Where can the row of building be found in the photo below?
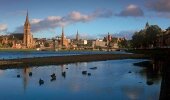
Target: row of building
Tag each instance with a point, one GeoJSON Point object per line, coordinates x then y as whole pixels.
{"type": "Point", "coordinates": [26, 41]}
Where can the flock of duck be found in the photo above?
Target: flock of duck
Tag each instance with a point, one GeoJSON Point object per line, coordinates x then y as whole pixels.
{"type": "Point", "coordinates": [53, 76]}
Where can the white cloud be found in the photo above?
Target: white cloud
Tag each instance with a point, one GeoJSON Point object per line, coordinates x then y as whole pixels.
{"type": "Point", "coordinates": [132, 11]}
{"type": "Point", "coordinates": [52, 22]}
{"type": "Point", "coordinates": [3, 27]}
{"type": "Point", "coordinates": [35, 21]}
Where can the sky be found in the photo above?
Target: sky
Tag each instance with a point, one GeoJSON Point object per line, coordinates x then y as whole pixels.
{"type": "Point", "coordinates": [91, 18]}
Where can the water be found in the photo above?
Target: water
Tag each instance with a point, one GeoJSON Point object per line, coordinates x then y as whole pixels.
{"type": "Point", "coordinates": [31, 54]}
{"type": "Point", "coordinates": [112, 80]}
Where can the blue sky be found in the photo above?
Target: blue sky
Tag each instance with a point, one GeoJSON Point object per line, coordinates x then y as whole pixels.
{"type": "Point", "coordinates": [92, 18]}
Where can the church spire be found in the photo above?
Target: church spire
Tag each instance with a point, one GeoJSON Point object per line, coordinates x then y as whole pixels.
{"type": "Point", "coordinates": [27, 19]}
{"type": "Point", "coordinates": [147, 25]}
{"type": "Point", "coordinates": [77, 36]}
{"type": "Point", "coordinates": [62, 32]}
{"type": "Point", "coordinates": [62, 36]}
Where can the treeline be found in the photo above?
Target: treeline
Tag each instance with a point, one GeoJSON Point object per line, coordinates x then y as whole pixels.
{"type": "Point", "coordinates": [147, 38]}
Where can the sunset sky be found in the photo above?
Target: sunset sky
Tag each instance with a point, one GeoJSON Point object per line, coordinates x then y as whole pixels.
{"type": "Point", "coordinates": [92, 18]}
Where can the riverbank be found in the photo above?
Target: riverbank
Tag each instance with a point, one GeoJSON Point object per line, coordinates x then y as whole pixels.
{"type": "Point", "coordinates": [55, 60]}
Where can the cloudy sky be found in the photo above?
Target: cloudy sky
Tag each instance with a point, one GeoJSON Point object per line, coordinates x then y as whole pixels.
{"type": "Point", "coordinates": [92, 18]}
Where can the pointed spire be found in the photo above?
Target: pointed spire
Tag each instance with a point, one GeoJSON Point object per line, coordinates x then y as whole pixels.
{"type": "Point", "coordinates": [109, 37]}
{"type": "Point", "coordinates": [77, 36]}
{"type": "Point", "coordinates": [62, 31]}
{"type": "Point", "coordinates": [62, 36]}
{"type": "Point", "coordinates": [27, 19]}
{"type": "Point", "coordinates": [147, 25]}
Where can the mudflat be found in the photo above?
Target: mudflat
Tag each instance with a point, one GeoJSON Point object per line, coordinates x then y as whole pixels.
{"type": "Point", "coordinates": [55, 60]}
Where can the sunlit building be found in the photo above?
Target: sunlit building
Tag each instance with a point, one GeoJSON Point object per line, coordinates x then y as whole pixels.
{"type": "Point", "coordinates": [28, 40]}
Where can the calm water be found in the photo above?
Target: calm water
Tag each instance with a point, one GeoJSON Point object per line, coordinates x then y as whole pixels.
{"type": "Point", "coordinates": [112, 80]}
{"type": "Point", "coordinates": [27, 54]}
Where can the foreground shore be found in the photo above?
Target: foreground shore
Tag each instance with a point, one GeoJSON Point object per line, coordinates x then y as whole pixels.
{"type": "Point", "coordinates": [55, 60]}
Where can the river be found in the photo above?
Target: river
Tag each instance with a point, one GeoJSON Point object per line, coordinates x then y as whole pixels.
{"type": "Point", "coordinates": [31, 54]}
{"type": "Point", "coordinates": [108, 80]}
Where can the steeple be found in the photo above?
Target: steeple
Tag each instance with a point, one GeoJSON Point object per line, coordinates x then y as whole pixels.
{"type": "Point", "coordinates": [77, 36]}
{"type": "Point", "coordinates": [109, 37]}
{"type": "Point", "coordinates": [147, 25]}
{"type": "Point", "coordinates": [62, 36]}
{"type": "Point", "coordinates": [27, 20]}
{"type": "Point", "coordinates": [62, 32]}
{"type": "Point", "coordinates": [28, 38]}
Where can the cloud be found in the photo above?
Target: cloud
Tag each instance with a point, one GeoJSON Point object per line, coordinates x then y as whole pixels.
{"type": "Point", "coordinates": [131, 11]}
{"type": "Point", "coordinates": [163, 14]}
{"type": "Point", "coordinates": [3, 27]}
{"type": "Point", "coordinates": [125, 34]}
{"type": "Point", "coordinates": [159, 5]}
{"type": "Point", "coordinates": [52, 22]}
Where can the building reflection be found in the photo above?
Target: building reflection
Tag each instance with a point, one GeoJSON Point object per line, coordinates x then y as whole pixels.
{"type": "Point", "coordinates": [63, 71]}
{"type": "Point", "coordinates": [25, 74]}
{"type": "Point", "coordinates": [133, 92]}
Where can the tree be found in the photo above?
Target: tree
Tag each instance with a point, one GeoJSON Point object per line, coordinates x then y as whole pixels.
{"type": "Point", "coordinates": [151, 34]}
{"type": "Point", "coordinates": [46, 44]}
{"type": "Point", "coordinates": [168, 29]}
{"type": "Point", "coordinates": [138, 39]}
{"type": "Point", "coordinates": [123, 43]}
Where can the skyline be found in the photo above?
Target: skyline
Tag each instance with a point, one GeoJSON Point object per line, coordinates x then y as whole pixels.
{"type": "Point", "coordinates": [92, 19]}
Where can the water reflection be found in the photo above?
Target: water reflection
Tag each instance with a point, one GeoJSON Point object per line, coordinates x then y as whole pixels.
{"type": "Point", "coordinates": [133, 92]}
{"type": "Point", "coordinates": [107, 80]}
{"type": "Point", "coordinates": [25, 75]}
{"type": "Point", "coordinates": [63, 72]}
{"type": "Point", "coordinates": [151, 70]}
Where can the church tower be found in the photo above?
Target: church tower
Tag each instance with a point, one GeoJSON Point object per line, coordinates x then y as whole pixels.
{"type": "Point", "coordinates": [147, 25]}
{"type": "Point", "coordinates": [62, 37]}
{"type": "Point", "coordinates": [28, 38]}
{"type": "Point", "coordinates": [77, 36]}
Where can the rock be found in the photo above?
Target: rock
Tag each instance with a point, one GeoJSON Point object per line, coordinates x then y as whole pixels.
{"type": "Point", "coordinates": [53, 79]}
{"type": "Point", "coordinates": [149, 82]}
{"type": "Point", "coordinates": [53, 75]}
{"type": "Point", "coordinates": [41, 81]}
{"type": "Point", "coordinates": [30, 73]}
{"type": "Point", "coordinates": [18, 76]}
{"type": "Point", "coordinates": [89, 74]}
{"type": "Point", "coordinates": [84, 72]}
{"type": "Point", "coordinates": [93, 68]}
{"type": "Point", "coordinates": [129, 72]}
{"type": "Point", "coordinates": [64, 74]}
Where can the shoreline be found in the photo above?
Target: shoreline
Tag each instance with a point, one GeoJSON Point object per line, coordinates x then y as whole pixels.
{"type": "Point", "coordinates": [57, 60]}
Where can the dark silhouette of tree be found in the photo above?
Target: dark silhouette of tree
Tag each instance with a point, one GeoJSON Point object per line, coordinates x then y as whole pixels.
{"type": "Point", "coordinates": [151, 34]}
{"type": "Point", "coordinates": [168, 29]}
{"type": "Point", "coordinates": [146, 38]}
{"type": "Point", "coordinates": [138, 39]}
{"type": "Point", "coordinates": [46, 44]}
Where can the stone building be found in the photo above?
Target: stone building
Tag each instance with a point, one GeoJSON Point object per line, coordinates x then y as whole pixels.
{"type": "Point", "coordinates": [19, 40]}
